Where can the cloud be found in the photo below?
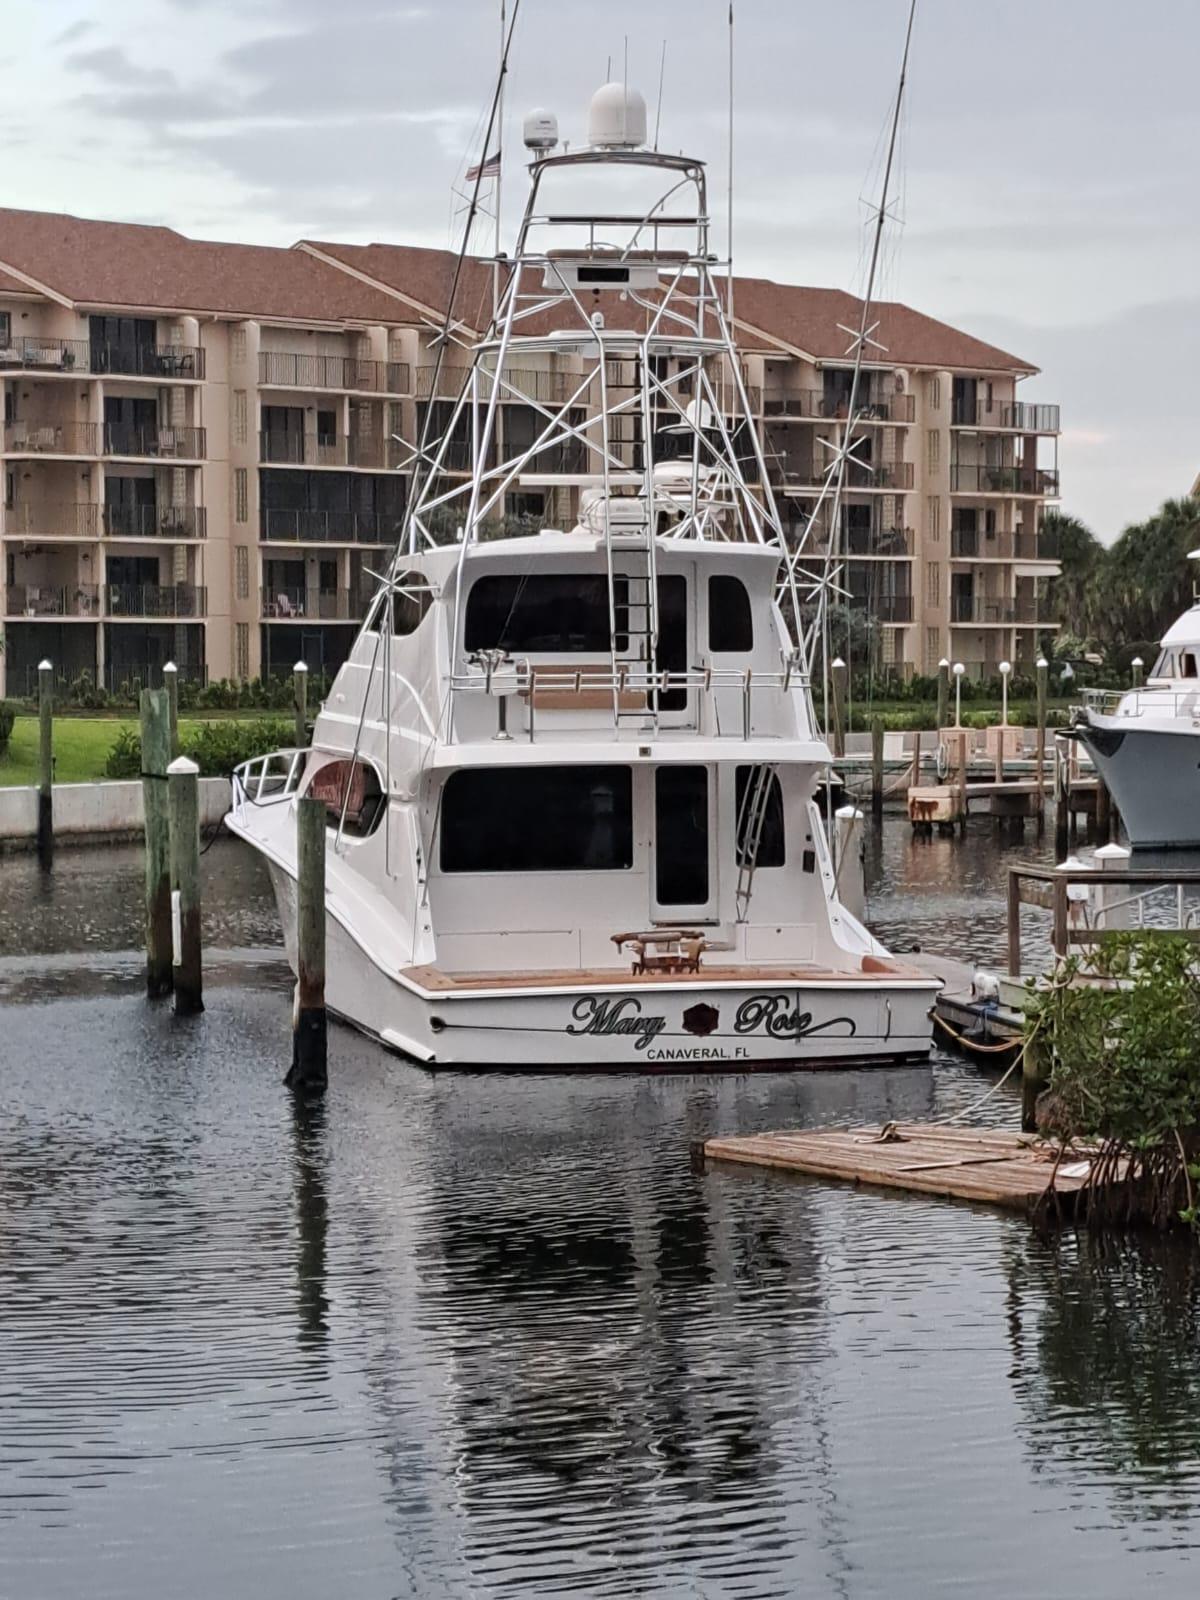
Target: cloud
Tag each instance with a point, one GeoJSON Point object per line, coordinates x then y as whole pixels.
{"type": "Point", "coordinates": [76, 30]}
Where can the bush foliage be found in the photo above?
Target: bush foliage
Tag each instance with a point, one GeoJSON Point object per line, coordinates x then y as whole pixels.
{"type": "Point", "coordinates": [216, 747]}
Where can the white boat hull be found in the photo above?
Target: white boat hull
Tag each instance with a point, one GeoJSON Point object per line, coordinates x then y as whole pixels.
{"type": "Point", "coordinates": [1154, 777]}
{"type": "Point", "coordinates": [645, 1024]}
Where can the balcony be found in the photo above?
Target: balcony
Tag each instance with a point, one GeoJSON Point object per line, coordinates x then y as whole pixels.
{"type": "Point", "coordinates": [281, 369]}
{"type": "Point", "coordinates": [314, 605]}
{"type": "Point", "coordinates": [981, 479]}
{"type": "Point", "coordinates": [1016, 416]}
{"type": "Point", "coordinates": [890, 476]}
{"type": "Point", "coordinates": [970, 544]}
{"type": "Point", "coordinates": [881, 543]}
{"type": "Point", "coordinates": [323, 450]}
{"type": "Point", "coordinates": [157, 361]}
{"type": "Point", "coordinates": [451, 381]}
{"type": "Point", "coordinates": [32, 354]}
{"type": "Point", "coordinates": [49, 600]}
{"type": "Point", "coordinates": [158, 443]}
{"type": "Point", "coordinates": [329, 527]}
{"type": "Point", "coordinates": [971, 611]}
{"type": "Point", "coordinates": [50, 519]}
{"type": "Point", "coordinates": [813, 405]}
{"type": "Point", "coordinates": [155, 600]}
{"type": "Point", "coordinates": [175, 523]}
{"type": "Point", "coordinates": [51, 438]}
{"type": "Point", "coordinates": [888, 608]}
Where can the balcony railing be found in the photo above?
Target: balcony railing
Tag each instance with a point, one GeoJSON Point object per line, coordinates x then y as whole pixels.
{"type": "Point", "coordinates": [889, 475]}
{"type": "Point", "coordinates": [133, 439]}
{"type": "Point", "coordinates": [283, 369]}
{"type": "Point", "coordinates": [52, 600]}
{"type": "Point", "coordinates": [49, 519]}
{"type": "Point", "coordinates": [878, 542]}
{"type": "Point", "coordinates": [1020, 416]}
{"type": "Point", "coordinates": [816, 405]}
{"type": "Point", "coordinates": [980, 479]}
{"type": "Point", "coordinates": [322, 449]}
{"type": "Point", "coordinates": [155, 600]}
{"type": "Point", "coordinates": [31, 353]}
{"type": "Point", "coordinates": [156, 361]}
{"type": "Point", "coordinates": [967, 609]}
{"type": "Point", "coordinates": [970, 544]}
{"type": "Point", "coordinates": [884, 607]}
{"type": "Point", "coordinates": [154, 522]}
{"type": "Point", "coordinates": [451, 381]}
{"type": "Point", "coordinates": [329, 527]}
{"type": "Point", "coordinates": [314, 605]}
{"type": "Point", "coordinates": [51, 438]}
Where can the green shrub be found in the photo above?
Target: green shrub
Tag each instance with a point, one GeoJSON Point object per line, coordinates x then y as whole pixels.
{"type": "Point", "coordinates": [8, 715]}
{"type": "Point", "coordinates": [216, 747]}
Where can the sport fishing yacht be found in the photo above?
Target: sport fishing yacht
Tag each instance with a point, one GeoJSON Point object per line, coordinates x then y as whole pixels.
{"type": "Point", "coordinates": [570, 775]}
{"type": "Point", "coordinates": [1145, 741]}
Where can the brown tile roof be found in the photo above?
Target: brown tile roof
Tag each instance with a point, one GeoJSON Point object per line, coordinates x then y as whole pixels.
{"type": "Point", "coordinates": [130, 264]}
{"type": "Point", "coordinates": [11, 285]}
{"type": "Point", "coordinates": [807, 319]}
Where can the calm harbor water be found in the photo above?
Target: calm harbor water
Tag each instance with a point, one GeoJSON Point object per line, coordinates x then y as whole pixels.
{"type": "Point", "coordinates": [479, 1335]}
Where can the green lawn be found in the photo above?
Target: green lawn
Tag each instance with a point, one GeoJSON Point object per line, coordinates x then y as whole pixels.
{"type": "Point", "coordinates": [81, 746]}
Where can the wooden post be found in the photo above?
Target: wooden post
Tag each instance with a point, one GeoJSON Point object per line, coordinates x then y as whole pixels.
{"type": "Point", "coordinates": [1043, 672]}
{"type": "Point", "coordinates": [877, 767]}
{"type": "Point", "coordinates": [183, 800]}
{"type": "Point", "coordinates": [171, 685]}
{"type": "Point", "coordinates": [962, 780]}
{"type": "Point", "coordinates": [156, 758]}
{"type": "Point", "coordinates": [943, 692]}
{"type": "Point", "coordinates": [1014, 923]}
{"type": "Point", "coordinates": [309, 1070]}
{"type": "Point", "coordinates": [1138, 669]}
{"type": "Point", "coordinates": [1059, 936]}
{"type": "Point", "coordinates": [1033, 1081]}
{"type": "Point", "coordinates": [45, 815]}
{"type": "Point", "coordinates": [1103, 820]}
{"type": "Point", "coordinates": [838, 676]}
{"type": "Point", "coordinates": [300, 687]}
{"type": "Point", "coordinates": [916, 764]}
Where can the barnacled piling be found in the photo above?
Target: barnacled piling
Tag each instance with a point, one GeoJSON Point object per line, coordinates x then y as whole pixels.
{"type": "Point", "coordinates": [183, 798]}
{"type": "Point", "coordinates": [156, 758]}
{"type": "Point", "coordinates": [309, 1069]}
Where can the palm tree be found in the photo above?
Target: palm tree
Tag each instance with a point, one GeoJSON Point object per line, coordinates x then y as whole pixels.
{"type": "Point", "coordinates": [1072, 596]}
{"type": "Point", "coordinates": [1146, 580]}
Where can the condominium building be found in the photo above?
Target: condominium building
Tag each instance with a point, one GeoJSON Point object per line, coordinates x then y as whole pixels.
{"type": "Point", "coordinates": [207, 450]}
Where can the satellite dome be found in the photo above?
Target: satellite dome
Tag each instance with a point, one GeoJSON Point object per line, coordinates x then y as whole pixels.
{"type": "Point", "coordinates": [541, 130]}
{"type": "Point", "coordinates": [617, 118]}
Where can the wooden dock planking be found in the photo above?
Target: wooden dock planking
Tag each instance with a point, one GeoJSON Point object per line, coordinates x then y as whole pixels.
{"type": "Point", "coordinates": [991, 1167]}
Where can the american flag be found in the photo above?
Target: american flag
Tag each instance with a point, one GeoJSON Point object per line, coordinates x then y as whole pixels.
{"type": "Point", "coordinates": [486, 169]}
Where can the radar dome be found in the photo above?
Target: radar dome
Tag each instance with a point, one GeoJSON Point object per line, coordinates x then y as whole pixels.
{"type": "Point", "coordinates": [617, 119]}
{"type": "Point", "coordinates": [541, 130]}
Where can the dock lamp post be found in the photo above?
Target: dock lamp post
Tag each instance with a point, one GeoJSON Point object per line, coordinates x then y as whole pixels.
{"type": "Point", "coordinates": [1137, 664]}
{"type": "Point", "coordinates": [1005, 669]}
{"type": "Point", "coordinates": [1068, 676]}
{"type": "Point", "coordinates": [959, 669]}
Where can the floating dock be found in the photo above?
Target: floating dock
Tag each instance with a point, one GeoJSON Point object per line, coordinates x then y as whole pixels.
{"type": "Point", "coordinates": [990, 1167]}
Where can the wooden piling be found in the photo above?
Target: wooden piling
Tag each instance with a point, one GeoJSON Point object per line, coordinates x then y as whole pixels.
{"type": "Point", "coordinates": [300, 697]}
{"type": "Point", "coordinates": [1103, 823]}
{"type": "Point", "coordinates": [943, 692]}
{"type": "Point", "coordinates": [171, 685]}
{"type": "Point", "coordinates": [183, 801]}
{"type": "Point", "coordinates": [45, 815]}
{"type": "Point", "coordinates": [156, 758]}
{"type": "Point", "coordinates": [916, 760]}
{"type": "Point", "coordinates": [1043, 673]}
{"type": "Point", "coordinates": [877, 767]}
{"type": "Point", "coordinates": [838, 674]}
{"type": "Point", "coordinates": [309, 1069]}
{"type": "Point", "coordinates": [1034, 1080]}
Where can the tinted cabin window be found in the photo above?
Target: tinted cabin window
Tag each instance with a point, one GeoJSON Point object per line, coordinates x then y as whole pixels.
{"type": "Point", "coordinates": [681, 836]}
{"type": "Point", "coordinates": [548, 819]}
{"type": "Point", "coordinates": [730, 626]}
{"type": "Point", "coordinates": [758, 792]}
{"type": "Point", "coordinates": [672, 638]}
{"type": "Point", "coordinates": [365, 802]}
{"type": "Point", "coordinates": [558, 613]}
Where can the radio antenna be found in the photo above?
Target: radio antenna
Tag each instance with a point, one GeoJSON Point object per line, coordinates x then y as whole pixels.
{"type": "Point", "coordinates": [662, 71]}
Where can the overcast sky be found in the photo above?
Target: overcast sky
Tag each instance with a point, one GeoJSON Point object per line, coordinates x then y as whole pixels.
{"type": "Point", "coordinates": [1047, 179]}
